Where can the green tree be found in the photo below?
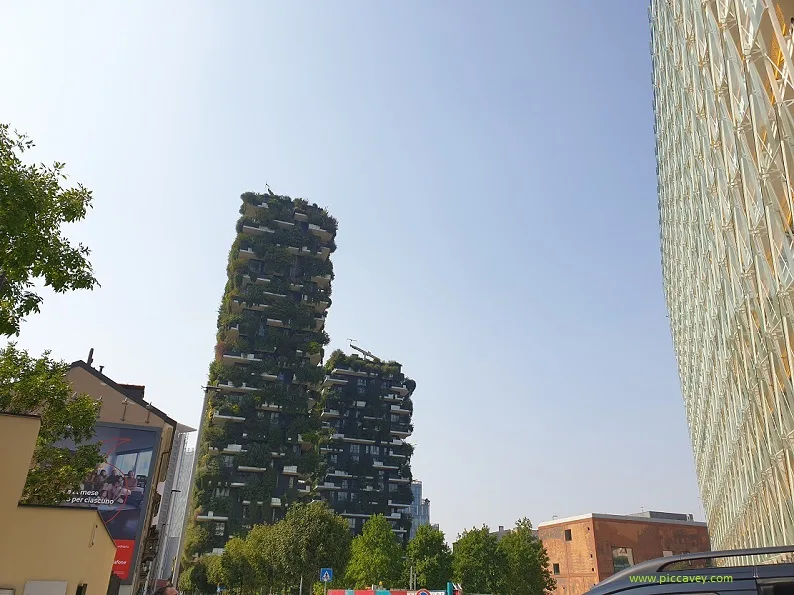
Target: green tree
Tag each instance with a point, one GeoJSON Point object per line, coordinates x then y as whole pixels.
{"type": "Point", "coordinates": [375, 555]}
{"type": "Point", "coordinates": [39, 386]}
{"type": "Point", "coordinates": [478, 564]}
{"type": "Point", "coordinates": [33, 207]}
{"type": "Point", "coordinates": [238, 571]}
{"type": "Point", "coordinates": [194, 578]}
{"type": "Point", "coordinates": [216, 574]}
{"type": "Point", "coordinates": [430, 557]}
{"type": "Point", "coordinates": [526, 562]}
{"type": "Point", "coordinates": [263, 543]}
{"type": "Point", "coordinates": [315, 537]}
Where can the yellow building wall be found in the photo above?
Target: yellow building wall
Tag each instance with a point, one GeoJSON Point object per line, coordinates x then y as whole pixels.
{"type": "Point", "coordinates": [45, 543]}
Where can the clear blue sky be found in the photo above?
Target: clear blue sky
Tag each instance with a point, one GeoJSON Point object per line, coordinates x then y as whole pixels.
{"type": "Point", "coordinates": [492, 168]}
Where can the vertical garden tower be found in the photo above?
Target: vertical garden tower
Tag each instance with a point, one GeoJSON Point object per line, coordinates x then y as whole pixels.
{"type": "Point", "coordinates": [258, 445]}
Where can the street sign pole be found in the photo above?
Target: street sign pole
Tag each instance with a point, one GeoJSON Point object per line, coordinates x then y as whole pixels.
{"type": "Point", "coordinates": [326, 576]}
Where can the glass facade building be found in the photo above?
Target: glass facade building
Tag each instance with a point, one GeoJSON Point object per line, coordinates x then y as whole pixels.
{"type": "Point", "coordinates": [420, 508]}
{"type": "Point", "coordinates": [723, 91]}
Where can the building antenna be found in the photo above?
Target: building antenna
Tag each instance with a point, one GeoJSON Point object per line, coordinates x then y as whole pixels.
{"type": "Point", "coordinates": [366, 353]}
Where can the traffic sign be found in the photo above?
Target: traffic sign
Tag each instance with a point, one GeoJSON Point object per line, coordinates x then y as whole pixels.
{"type": "Point", "coordinates": [423, 592]}
{"type": "Point", "coordinates": [327, 575]}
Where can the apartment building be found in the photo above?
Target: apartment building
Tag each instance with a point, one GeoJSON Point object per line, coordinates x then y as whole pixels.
{"type": "Point", "coordinates": [367, 411]}
{"type": "Point", "coordinates": [253, 457]}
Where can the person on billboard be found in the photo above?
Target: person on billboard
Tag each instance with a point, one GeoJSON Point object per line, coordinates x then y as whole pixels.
{"type": "Point", "coordinates": [130, 481]}
{"type": "Point", "coordinates": [99, 479]}
{"type": "Point", "coordinates": [112, 489]}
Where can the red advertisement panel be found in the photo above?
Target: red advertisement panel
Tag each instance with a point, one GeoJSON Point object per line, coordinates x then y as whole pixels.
{"type": "Point", "coordinates": [125, 548]}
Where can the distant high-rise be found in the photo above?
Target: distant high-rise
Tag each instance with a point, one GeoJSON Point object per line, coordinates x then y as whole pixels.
{"type": "Point", "coordinates": [420, 508]}
{"type": "Point", "coordinates": [723, 89]}
{"type": "Point", "coordinates": [366, 414]}
{"type": "Point", "coordinates": [254, 457]}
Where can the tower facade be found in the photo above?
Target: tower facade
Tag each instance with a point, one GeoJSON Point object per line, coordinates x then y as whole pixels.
{"type": "Point", "coordinates": [420, 508]}
{"type": "Point", "coordinates": [722, 77]}
{"type": "Point", "coordinates": [258, 445]}
{"type": "Point", "coordinates": [366, 418]}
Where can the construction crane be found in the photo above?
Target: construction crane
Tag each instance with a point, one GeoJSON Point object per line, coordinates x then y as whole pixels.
{"type": "Point", "coordinates": [365, 352]}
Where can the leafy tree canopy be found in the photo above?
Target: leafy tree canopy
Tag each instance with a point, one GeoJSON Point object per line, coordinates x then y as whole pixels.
{"type": "Point", "coordinates": [478, 563]}
{"type": "Point", "coordinates": [375, 556]}
{"type": "Point", "coordinates": [526, 562]}
{"type": "Point", "coordinates": [39, 387]}
{"type": "Point", "coordinates": [430, 557]}
{"type": "Point", "coordinates": [33, 207]}
{"type": "Point", "coordinates": [315, 538]}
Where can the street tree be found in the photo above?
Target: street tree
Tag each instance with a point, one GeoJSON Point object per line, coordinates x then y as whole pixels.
{"type": "Point", "coordinates": [263, 544]}
{"type": "Point", "coordinates": [38, 386]}
{"type": "Point", "coordinates": [375, 555]}
{"type": "Point", "coordinates": [526, 562]}
{"type": "Point", "coordinates": [315, 537]}
{"type": "Point", "coordinates": [430, 557]}
{"type": "Point", "coordinates": [216, 573]}
{"type": "Point", "coordinates": [237, 570]}
{"type": "Point", "coordinates": [478, 564]}
{"type": "Point", "coordinates": [194, 578]}
{"type": "Point", "coordinates": [34, 205]}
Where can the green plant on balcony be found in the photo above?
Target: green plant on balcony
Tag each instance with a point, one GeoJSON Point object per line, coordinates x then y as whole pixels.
{"type": "Point", "coordinates": [216, 436]}
{"type": "Point", "coordinates": [252, 198]}
{"type": "Point", "coordinates": [259, 488]}
{"type": "Point", "coordinates": [227, 320]}
{"type": "Point", "coordinates": [230, 409]}
{"type": "Point", "coordinates": [275, 439]}
{"type": "Point", "coordinates": [308, 462]}
{"type": "Point", "coordinates": [257, 455]}
{"type": "Point", "coordinates": [323, 220]}
{"type": "Point", "coordinates": [218, 505]}
{"type": "Point", "coordinates": [310, 374]}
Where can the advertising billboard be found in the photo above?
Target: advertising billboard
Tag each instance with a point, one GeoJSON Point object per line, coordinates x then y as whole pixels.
{"type": "Point", "coordinates": [119, 487]}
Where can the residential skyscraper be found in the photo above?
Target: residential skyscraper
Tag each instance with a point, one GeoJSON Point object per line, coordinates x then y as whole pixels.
{"type": "Point", "coordinates": [254, 456]}
{"type": "Point", "coordinates": [722, 79]}
{"type": "Point", "coordinates": [366, 415]}
{"type": "Point", "coordinates": [420, 508]}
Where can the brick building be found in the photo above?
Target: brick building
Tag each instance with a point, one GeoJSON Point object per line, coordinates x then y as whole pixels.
{"type": "Point", "coordinates": [584, 550]}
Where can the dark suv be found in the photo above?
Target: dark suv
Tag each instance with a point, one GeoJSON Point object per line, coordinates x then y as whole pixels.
{"type": "Point", "coordinates": [702, 574]}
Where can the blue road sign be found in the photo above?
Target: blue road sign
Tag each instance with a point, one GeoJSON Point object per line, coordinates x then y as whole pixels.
{"type": "Point", "coordinates": [326, 575]}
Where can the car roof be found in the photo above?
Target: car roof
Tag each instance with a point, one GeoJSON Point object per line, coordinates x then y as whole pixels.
{"type": "Point", "coordinates": [622, 580]}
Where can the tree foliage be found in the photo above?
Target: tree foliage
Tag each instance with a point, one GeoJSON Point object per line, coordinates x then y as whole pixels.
{"type": "Point", "coordinates": [375, 556]}
{"type": "Point", "coordinates": [34, 205]}
{"type": "Point", "coordinates": [430, 557]}
{"type": "Point", "coordinates": [526, 562]}
{"type": "Point", "coordinates": [315, 538]}
{"type": "Point", "coordinates": [478, 563]}
{"type": "Point", "coordinates": [39, 387]}
{"type": "Point", "coordinates": [275, 557]}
